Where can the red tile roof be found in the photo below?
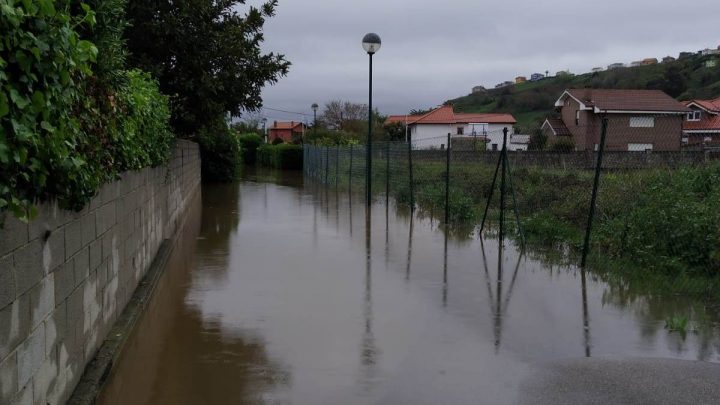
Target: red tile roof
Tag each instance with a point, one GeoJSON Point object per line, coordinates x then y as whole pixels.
{"type": "Point", "coordinates": [446, 115]}
{"type": "Point", "coordinates": [558, 127]}
{"type": "Point", "coordinates": [710, 120]}
{"type": "Point", "coordinates": [710, 105]}
{"type": "Point", "coordinates": [628, 100]}
{"type": "Point", "coordinates": [286, 125]}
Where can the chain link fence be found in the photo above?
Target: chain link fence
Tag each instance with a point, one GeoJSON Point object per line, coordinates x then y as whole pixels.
{"type": "Point", "coordinates": [630, 192]}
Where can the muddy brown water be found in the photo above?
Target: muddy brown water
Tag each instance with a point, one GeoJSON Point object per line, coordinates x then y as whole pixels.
{"type": "Point", "coordinates": [277, 293]}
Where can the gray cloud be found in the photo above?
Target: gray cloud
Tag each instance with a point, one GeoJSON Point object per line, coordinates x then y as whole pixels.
{"type": "Point", "coordinates": [436, 50]}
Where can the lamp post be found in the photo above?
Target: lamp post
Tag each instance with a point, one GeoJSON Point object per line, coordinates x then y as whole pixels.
{"type": "Point", "coordinates": [264, 121]}
{"type": "Point", "coordinates": [314, 107]}
{"type": "Point", "coordinates": [371, 44]}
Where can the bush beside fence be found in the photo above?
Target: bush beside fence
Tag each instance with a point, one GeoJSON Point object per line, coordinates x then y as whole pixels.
{"type": "Point", "coordinates": [281, 156]}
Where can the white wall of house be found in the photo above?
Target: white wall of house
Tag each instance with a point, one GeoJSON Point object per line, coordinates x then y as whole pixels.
{"type": "Point", "coordinates": [434, 136]}
{"type": "Point", "coordinates": [431, 136]}
{"type": "Point", "coordinates": [514, 142]}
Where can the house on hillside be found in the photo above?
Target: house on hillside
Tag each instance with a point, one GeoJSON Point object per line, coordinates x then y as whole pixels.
{"type": "Point", "coordinates": [286, 130]}
{"type": "Point", "coordinates": [636, 63]}
{"type": "Point", "coordinates": [520, 79]}
{"type": "Point", "coordinates": [710, 51]}
{"type": "Point", "coordinates": [638, 120]}
{"type": "Point", "coordinates": [536, 76]}
{"type": "Point", "coordinates": [649, 61]}
{"type": "Point", "coordinates": [702, 124]}
{"type": "Point", "coordinates": [478, 89]}
{"type": "Point", "coordinates": [668, 59]}
{"type": "Point", "coordinates": [429, 131]}
{"type": "Point", "coordinates": [616, 66]}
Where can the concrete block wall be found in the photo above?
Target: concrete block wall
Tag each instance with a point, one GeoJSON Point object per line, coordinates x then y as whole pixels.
{"type": "Point", "coordinates": [66, 276]}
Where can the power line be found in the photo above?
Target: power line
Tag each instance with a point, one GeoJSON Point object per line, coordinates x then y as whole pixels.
{"type": "Point", "coordinates": [285, 111]}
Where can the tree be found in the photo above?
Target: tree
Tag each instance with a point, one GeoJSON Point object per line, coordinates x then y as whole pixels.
{"type": "Point", "coordinates": [205, 55]}
{"type": "Point", "coordinates": [341, 114]}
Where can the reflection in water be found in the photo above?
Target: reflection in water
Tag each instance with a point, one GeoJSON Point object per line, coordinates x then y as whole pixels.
{"type": "Point", "coordinates": [586, 318]}
{"type": "Point", "coordinates": [264, 307]}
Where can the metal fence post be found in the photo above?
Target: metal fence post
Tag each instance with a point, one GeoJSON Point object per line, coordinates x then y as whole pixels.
{"type": "Point", "coordinates": [327, 163]}
{"type": "Point", "coordinates": [387, 173]}
{"type": "Point", "coordinates": [410, 168]}
{"type": "Point", "coordinates": [350, 172]}
{"type": "Point", "coordinates": [593, 199]}
{"type": "Point", "coordinates": [447, 180]}
{"type": "Point", "coordinates": [337, 165]}
{"type": "Point", "coordinates": [502, 184]}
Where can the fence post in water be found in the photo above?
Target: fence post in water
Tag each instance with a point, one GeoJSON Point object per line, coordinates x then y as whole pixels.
{"type": "Point", "coordinates": [503, 157]}
{"type": "Point", "coordinates": [447, 180]}
{"type": "Point", "coordinates": [337, 165]}
{"type": "Point", "coordinates": [387, 173]}
{"type": "Point", "coordinates": [350, 173]}
{"type": "Point", "coordinates": [593, 199]}
{"type": "Point", "coordinates": [327, 163]}
{"type": "Point", "coordinates": [410, 167]}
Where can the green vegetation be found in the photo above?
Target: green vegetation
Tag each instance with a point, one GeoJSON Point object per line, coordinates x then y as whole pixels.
{"type": "Point", "coordinates": [64, 129]}
{"type": "Point", "coordinates": [281, 156]}
{"type": "Point", "coordinates": [677, 323]}
{"type": "Point", "coordinates": [222, 153]}
{"type": "Point", "coordinates": [249, 144]}
{"type": "Point", "coordinates": [531, 102]}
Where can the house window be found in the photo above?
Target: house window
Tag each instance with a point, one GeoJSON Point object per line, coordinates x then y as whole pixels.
{"type": "Point", "coordinates": [460, 130]}
{"type": "Point", "coordinates": [494, 146]}
{"type": "Point", "coordinates": [642, 122]}
{"type": "Point", "coordinates": [640, 147]}
{"type": "Point", "coordinates": [694, 116]}
{"type": "Point", "coordinates": [577, 117]}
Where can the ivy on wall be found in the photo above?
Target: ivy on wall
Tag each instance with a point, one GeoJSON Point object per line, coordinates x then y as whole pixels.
{"type": "Point", "coordinates": [64, 131]}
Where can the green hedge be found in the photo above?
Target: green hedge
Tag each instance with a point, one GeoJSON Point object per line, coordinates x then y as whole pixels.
{"type": "Point", "coordinates": [221, 153]}
{"type": "Point", "coordinates": [282, 156]}
{"type": "Point", "coordinates": [63, 130]}
{"type": "Point", "coordinates": [249, 143]}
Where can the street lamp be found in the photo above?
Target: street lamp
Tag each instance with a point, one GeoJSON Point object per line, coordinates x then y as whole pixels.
{"type": "Point", "coordinates": [264, 121]}
{"type": "Point", "coordinates": [314, 107]}
{"type": "Point", "coordinates": [371, 43]}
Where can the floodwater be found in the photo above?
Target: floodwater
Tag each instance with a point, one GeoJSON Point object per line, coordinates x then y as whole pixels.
{"type": "Point", "coordinates": [279, 292]}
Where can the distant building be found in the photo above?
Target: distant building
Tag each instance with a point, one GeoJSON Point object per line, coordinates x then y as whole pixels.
{"type": "Point", "coordinates": [616, 66]}
{"type": "Point", "coordinates": [596, 70]}
{"type": "Point", "coordinates": [638, 120]}
{"type": "Point", "coordinates": [684, 55]}
{"type": "Point", "coordinates": [536, 76]}
{"type": "Point", "coordinates": [649, 61]}
{"type": "Point", "coordinates": [668, 59]}
{"type": "Point", "coordinates": [563, 73]}
{"type": "Point", "coordinates": [520, 79]}
{"type": "Point", "coordinates": [478, 89]}
{"type": "Point", "coordinates": [709, 51]}
{"type": "Point", "coordinates": [702, 123]}
{"type": "Point", "coordinates": [429, 131]}
{"type": "Point", "coordinates": [636, 63]}
{"type": "Point", "coordinates": [286, 131]}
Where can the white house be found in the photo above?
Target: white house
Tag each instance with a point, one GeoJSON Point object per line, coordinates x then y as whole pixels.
{"type": "Point", "coordinates": [430, 130]}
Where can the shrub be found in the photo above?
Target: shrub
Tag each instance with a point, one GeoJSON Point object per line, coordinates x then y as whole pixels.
{"type": "Point", "coordinates": [42, 59]}
{"type": "Point", "coordinates": [249, 143]}
{"type": "Point", "coordinates": [283, 156]}
{"type": "Point", "coordinates": [220, 152]}
{"type": "Point", "coordinates": [277, 141]}
{"type": "Point", "coordinates": [562, 144]}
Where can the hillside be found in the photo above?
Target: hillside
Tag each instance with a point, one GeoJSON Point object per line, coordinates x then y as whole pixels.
{"type": "Point", "coordinates": [531, 102]}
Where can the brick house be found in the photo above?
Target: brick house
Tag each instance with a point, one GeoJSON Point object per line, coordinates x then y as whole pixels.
{"type": "Point", "coordinates": [702, 124]}
{"type": "Point", "coordinates": [286, 130]}
{"type": "Point", "coordinates": [638, 120]}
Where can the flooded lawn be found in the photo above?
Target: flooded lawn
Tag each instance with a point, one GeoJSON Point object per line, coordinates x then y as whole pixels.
{"type": "Point", "coordinates": [278, 293]}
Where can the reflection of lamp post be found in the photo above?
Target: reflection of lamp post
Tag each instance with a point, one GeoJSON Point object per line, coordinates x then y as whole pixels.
{"type": "Point", "coordinates": [371, 44]}
{"type": "Point", "coordinates": [314, 108]}
{"type": "Point", "coordinates": [264, 121]}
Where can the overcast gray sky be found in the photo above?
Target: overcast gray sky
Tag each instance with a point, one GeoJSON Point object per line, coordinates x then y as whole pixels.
{"type": "Point", "coordinates": [437, 50]}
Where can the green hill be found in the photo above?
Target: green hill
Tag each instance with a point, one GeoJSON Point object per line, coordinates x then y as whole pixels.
{"type": "Point", "coordinates": [531, 102]}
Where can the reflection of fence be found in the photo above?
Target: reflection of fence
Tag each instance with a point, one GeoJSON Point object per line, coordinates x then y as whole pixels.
{"type": "Point", "coordinates": [658, 208]}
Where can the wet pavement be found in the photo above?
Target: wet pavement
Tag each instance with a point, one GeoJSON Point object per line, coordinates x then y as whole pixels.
{"type": "Point", "coordinates": [279, 292]}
